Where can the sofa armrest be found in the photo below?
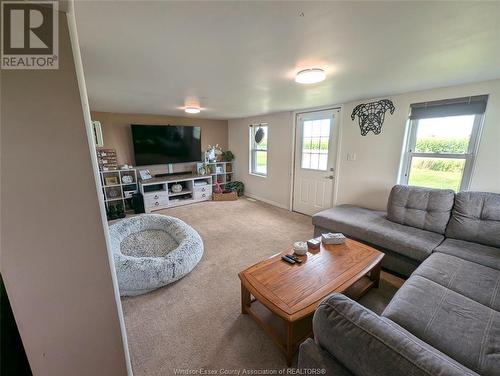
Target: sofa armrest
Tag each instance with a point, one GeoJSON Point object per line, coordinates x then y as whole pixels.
{"type": "Point", "coordinates": [368, 344]}
{"type": "Point", "coordinates": [312, 357]}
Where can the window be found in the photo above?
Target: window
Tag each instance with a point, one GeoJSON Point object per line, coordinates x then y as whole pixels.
{"type": "Point", "coordinates": [443, 138]}
{"type": "Point", "coordinates": [258, 149]}
{"type": "Point", "coordinates": [315, 143]}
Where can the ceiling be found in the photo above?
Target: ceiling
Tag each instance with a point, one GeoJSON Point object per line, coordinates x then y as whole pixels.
{"type": "Point", "coordinates": [239, 58]}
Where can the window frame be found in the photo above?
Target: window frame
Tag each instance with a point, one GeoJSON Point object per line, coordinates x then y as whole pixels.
{"type": "Point", "coordinates": [469, 157]}
{"type": "Point", "coordinates": [254, 148]}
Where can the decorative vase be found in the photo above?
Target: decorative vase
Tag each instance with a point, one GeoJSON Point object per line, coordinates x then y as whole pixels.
{"type": "Point", "coordinates": [127, 179]}
{"type": "Point", "coordinates": [176, 188]}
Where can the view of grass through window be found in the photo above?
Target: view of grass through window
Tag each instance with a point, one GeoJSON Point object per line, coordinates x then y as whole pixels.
{"type": "Point", "coordinates": [448, 135]}
{"type": "Point", "coordinates": [315, 142]}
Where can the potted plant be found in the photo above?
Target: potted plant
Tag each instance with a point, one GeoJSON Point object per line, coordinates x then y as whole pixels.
{"type": "Point", "coordinates": [228, 156]}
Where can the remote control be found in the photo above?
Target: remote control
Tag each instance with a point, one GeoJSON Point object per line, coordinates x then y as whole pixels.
{"type": "Point", "coordinates": [295, 258]}
{"type": "Point", "coordinates": [287, 259]}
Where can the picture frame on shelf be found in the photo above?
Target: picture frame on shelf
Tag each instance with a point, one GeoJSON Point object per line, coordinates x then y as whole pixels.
{"type": "Point", "coordinates": [111, 180]}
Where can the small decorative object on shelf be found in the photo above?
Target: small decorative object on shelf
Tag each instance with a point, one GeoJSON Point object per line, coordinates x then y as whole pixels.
{"type": "Point", "coordinates": [113, 192]}
{"type": "Point", "coordinates": [333, 238]}
{"type": "Point", "coordinates": [176, 188]}
{"type": "Point", "coordinates": [217, 188]}
{"type": "Point", "coordinates": [313, 243]}
{"type": "Point", "coordinates": [145, 174]}
{"type": "Point", "coordinates": [371, 115]}
{"type": "Point", "coordinates": [106, 159]}
{"type": "Point", "coordinates": [127, 179]}
{"type": "Point", "coordinates": [201, 168]}
{"type": "Point", "coordinates": [213, 153]}
{"type": "Point", "coordinates": [111, 180]}
{"type": "Point", "coordinates": [300, 248]}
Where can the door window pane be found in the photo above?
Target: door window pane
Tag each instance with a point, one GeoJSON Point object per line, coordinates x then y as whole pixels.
{"type": "Point", "coordinates": [306, 160]}
{"type": "Point", "coordinates": [315, 143]}
{"type": "Point", "coordinates": [436, 172]}
{"type": "Point", "coordinates": [314, 161]}
{"type": "Point", "coordinates": [449, 135]}
{"type": "Point", "coordinates": [323, 162]}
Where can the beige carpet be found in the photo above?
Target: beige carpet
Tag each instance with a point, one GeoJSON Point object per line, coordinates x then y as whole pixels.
{"type": "Point", "coordinates": [196, 322]}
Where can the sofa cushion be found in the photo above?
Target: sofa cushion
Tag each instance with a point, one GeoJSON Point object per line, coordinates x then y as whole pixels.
{"type": "Point", "coordinates": [481, 254]}
{"type": "Point", "coordinates": [476, 218]}
{"type": "Point", "coordinates": [425, 208]}
{"type": "Point", "coordinates": [475, 281]}
{"type": "Point", "coordinates": [373, 227]}
{"type": "Point", "coordinates": [462, 328]}
{"type": "Point", "coordinates": [368, 344]}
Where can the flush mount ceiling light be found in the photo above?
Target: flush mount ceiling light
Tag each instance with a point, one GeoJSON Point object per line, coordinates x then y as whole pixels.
{"type": "Point", "coordinates": [310, 76]}
{"type": "Point", "coordinates": [192, 110]}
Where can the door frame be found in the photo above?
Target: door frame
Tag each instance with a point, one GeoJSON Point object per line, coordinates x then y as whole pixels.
{"type": "Point", "coordinates": [80, 75]}
{"type": "Point", "coordinates": [336, 173]}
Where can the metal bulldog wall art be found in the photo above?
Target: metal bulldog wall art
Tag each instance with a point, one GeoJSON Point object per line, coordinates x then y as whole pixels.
{"type": "Point", "coordinates": [371, 115]}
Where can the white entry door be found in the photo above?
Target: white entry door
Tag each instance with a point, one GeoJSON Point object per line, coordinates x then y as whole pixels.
{"type": "Point", "coordinates": [315, 151]}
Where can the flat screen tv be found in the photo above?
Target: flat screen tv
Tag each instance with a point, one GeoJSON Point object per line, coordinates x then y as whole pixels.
{"type": "Point", "coordinates": [162, 144]}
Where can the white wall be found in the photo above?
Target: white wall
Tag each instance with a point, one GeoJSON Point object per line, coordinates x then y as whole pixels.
{"type": "Point", "coordinates": [367, 180]}
{"type": "Point", "coordinates": [275, 188]}
{"type": "Point", "coordinates": [54, 260]}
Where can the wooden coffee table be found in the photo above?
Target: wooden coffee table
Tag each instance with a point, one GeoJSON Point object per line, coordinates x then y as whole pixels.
{"type": "Point", "coordinates": [282, 298]}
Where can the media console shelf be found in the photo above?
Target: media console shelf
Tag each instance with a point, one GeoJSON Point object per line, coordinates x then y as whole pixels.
{"type": "Point", "coordinates": [157, 192]}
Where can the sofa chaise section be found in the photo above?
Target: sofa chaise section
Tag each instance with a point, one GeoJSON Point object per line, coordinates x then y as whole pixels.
{"type": "Point", "coordinates": [368, 344]}
{"type": "Point", "coordinates": [458, 325]}
{"type": "Point", "coordinates": [405, 246]}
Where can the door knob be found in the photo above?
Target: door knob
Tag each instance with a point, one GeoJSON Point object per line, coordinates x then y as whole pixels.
{"type": "Point", "coordinates": [329, 177]}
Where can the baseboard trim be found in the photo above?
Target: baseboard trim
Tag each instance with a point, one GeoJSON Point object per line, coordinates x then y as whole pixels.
{"type": "Point", "coordinates": [270, 202]}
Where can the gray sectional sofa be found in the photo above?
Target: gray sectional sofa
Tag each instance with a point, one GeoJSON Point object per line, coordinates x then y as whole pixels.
{"type": "Point", "coordinates": [445, 319]}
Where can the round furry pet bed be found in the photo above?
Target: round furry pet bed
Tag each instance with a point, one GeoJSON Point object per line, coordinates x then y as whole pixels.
{"type": "Point", "coordinates": [151, 251]}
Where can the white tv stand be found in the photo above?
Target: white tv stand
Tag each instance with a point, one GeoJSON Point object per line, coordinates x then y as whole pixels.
{"type": "Point", "coordinates": [157, 192]}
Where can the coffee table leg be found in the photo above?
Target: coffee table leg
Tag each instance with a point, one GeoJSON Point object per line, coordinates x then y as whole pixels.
{"type": "Point", "coordinates": [289, 343]}
{"type": "Point", "coordinates": [245, 299]}
{"type": "Point", "coordinates": [375, 275]}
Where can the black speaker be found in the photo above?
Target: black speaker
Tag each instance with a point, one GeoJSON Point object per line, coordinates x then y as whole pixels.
{"type": "Point", "coordinates": [138, 203]}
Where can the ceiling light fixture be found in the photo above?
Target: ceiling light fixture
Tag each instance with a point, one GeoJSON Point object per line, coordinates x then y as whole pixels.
{"type": "Point", "coordinates": [192, 110]}
{"type": "Point", "coordinates": [310, 76]}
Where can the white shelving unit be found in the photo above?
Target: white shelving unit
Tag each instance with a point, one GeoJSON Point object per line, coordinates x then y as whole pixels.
{"type": "Point", "coordinates": [221, 172]}
{"type": "Point", "coordinates": [116, 189]}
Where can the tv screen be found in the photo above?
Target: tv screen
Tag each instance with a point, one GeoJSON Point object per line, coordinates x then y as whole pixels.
{"type": "Point", "coordinates": [161, 144]}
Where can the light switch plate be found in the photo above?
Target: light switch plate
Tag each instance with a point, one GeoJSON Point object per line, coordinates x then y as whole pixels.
{"type": "Point", "coordinates": [351, 156]}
